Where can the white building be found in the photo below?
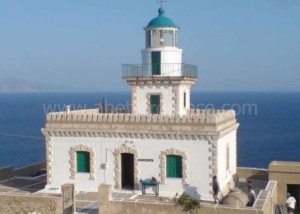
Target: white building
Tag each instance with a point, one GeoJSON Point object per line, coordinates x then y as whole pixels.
{"type": "Point", "coordinates": [161, 137]}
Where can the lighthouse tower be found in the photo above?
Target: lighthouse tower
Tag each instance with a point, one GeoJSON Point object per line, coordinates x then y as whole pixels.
{"type": "Point", "coordinates": [162, 83]}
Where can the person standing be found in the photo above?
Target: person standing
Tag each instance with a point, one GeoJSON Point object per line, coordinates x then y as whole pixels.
{"type": "Point", "coordinates": [290, 204]}
{"type": "Point", "coordinates": [251, 195]}
{"type": "Point", "coordinates": [216, 189]}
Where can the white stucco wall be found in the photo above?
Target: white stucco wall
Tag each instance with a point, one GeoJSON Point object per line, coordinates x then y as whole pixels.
{"type": "Point", "coordinates": [171, 58]}
{"type": "Point", "coordinates": [224, 175]}
{"type": "Point", "coordinates": [170, 98]}
{"type": "Point", "coordinates": [184, 88]}
{"type": "Point", "coordinates": [197, 161]}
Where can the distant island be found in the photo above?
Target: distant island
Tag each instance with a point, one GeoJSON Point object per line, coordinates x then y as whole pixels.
{"type": "Point", "coordinates": [18, 85]}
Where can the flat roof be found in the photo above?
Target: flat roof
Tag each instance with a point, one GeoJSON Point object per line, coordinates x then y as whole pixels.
{"type": "Point", "coordinates": [284, 166]}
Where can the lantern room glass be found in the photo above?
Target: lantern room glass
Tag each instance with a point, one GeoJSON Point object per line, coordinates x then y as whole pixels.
{"type": "Point", "coordinates": [161, 38]}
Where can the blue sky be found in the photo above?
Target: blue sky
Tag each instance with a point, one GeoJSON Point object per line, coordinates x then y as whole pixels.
{"type": "Point", "coordinates": [238, 45]}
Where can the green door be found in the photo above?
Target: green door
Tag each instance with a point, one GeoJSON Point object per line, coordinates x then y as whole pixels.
{"type": "Point", "coordinates": [156, 61]}
{"type": "Point", "coordinates": [155, 104]}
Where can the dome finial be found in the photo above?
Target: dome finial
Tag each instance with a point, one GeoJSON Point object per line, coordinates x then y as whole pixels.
{"type": "Point", "coordinates": [161, 11]}
{"type": "Point", "coordinates": [161, 20]}
{"type": "Point", "coordinates": [161, 2]}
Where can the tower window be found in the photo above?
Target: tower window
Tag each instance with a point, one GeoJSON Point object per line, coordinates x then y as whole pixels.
{"type": "Point", "coordinates": [83, 161]}
{"type": "Point", "coordinates": [169, 38]}
{"type": "Point", "coordinates": [148, 39]}
{"type": "Point", "coordinates": [155, 104]}
{"type": "Point", "coordinates": [161, 37]}
{"type": "Point", "coordinates": [174, 166]}
{"type": "Point", "coordinates": [184, 99]}
{"type": "Point", "coordinates": [227, 157]}
{"type": "Point", "coordinates": [155, 38]}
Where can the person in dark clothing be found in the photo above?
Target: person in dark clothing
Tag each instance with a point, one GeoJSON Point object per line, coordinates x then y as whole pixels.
{"type": "Point", "coordinates": [216, 189]}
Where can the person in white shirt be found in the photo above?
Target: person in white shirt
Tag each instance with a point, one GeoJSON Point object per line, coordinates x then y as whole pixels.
{"type": "Point", "coordinates": [251, 195]}
{"type": "Point", "coordinates": [290, 204]}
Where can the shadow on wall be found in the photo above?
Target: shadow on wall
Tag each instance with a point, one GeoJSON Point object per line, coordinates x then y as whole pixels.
{"type": "Point", "coordinates": [192, 191]}
{"type": "Point", "coordinates": [260, 176]}
{"type": "Point", "coordinates": [253, 173]}
{"type": "Point", "coordinates": [235, 178]}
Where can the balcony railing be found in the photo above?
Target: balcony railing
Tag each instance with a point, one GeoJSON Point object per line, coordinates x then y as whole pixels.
{"type": "Point", "coordinates": [165, 69]}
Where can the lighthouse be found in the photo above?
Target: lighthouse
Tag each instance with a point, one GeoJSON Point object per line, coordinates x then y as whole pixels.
{"type": "Point", "coordinates": [162, 137]}
{"type": "Point", "coordinates": [162, 83]}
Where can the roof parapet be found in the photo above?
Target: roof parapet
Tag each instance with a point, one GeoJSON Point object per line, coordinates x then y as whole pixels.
{"type": "Point", "coordinates": [93, 115]}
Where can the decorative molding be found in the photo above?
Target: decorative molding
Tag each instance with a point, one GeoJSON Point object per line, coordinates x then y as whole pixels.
{"type": "Point", "coordinates": [140, 132]}
{"type": "Point", "coordinates": [118, 165]}
{"type": "Point", "coordinates": [214, 157]}
{"type": "Point", "coordinates": [175, 91]}
{"type": "Point", "coordinates": [161, 80]}
{"type": "Point", "coordinates": [163, 163]}
{"type": "Point", "coordinates": [49, 159]}
{"type": "Point", "coordinates": [194, 126]}
{"type": "Point", "coordinates": [162, 136]}
{"type": "Point", "coordinates": [166, 86]}
{"type": "Point", "coordinates": [148, 104]}
{"type": "Point", "coordinates": [190, 100]}
{"type": "Point", "coordinates": [134, 99]}
{"type": "Point", "coordinates": [73, 160]}
{"type": "Point", "coordinates": [162, 106]}
{"type": "Point", "coordinates": [198, 116]}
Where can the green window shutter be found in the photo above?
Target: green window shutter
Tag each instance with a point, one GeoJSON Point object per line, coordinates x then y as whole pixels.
{"type": "Point", "coordinates": [174, 166]}
{"type": "Point", "coordinates": [83, 161]}
{"type": "Point", "coordinates": [155, 104]}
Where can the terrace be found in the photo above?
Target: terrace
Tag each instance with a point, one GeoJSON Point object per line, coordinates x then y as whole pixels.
{"type": "Point", "coordinates": [25, 186]}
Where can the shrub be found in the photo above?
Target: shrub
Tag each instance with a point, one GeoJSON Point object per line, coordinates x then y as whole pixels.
{"type": "Point", "coordinates": [188, 202]}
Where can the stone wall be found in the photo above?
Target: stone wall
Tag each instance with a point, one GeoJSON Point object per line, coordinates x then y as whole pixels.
{"type": "Point", "coordinates": [284, 173]}
{"type": "Point", "coordinates": [124, 207]}
{"type": "Point", "coordinates": [31, 170]}
{"type": "Point", "coordinates": [12, 204]}
{"type": "Point", "coordinates": [110, 206]}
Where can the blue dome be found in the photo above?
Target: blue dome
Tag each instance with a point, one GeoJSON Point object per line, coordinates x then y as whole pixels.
{"type": "Point", "coordinates": [161, 20]}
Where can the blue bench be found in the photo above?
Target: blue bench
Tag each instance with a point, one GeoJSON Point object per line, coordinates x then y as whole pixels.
{"type": "Point", "coordinates": [151, 183]}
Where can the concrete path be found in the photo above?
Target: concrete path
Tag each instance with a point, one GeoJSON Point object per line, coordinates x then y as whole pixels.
{"type": "Point", "coordinates": [87, 202]}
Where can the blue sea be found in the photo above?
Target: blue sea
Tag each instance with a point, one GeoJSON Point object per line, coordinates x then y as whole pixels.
{"type": "Point", "coordinates": [269, 122]}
